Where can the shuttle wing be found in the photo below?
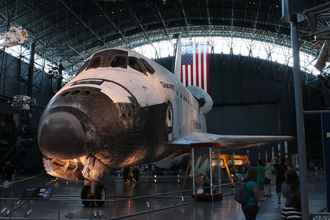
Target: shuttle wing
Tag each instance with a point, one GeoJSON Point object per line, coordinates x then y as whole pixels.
{"type": "Point", "coordinates": [199, 139]}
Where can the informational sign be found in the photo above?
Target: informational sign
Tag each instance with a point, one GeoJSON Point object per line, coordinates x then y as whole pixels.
{"type": "Point", "coordinates": [320, 216]}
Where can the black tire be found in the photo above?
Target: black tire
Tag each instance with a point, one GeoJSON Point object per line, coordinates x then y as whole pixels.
{"type": "Point", "coordinates": [136, 174]}
{"type": "Point", "coordinates": [85, 194]}
{"type": "Point", "coordinates": [100, 195]}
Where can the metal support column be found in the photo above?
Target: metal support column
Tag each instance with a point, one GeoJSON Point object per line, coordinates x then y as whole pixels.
{"type": "Point", "coordinates": [219, 173]}
{"type": "Point", "coordinates": [298, 83]}
{"type": "Point", "coordinates": [324, 158]}
{"type": "Point", "coordinates": [60, 75]}
{"type": "Point", "coordinates": [325, 119]}
{"type": "Point", "coordinates": [325, 128]}
{"type": "Point", "coordinates": [193, 170]}
{"type": "Point", "coordinates": [31, 69]}
{"type": "Point", "coordinates": [279, 150]}
{"type": "Point", "coordinates": [18, 75]}
{"type": "Point", "coordinates": [210, 167]}
{"type": "Point", "coordinates": [286, 150]}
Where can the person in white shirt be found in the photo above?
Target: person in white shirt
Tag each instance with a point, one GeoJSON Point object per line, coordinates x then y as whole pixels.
{"type": "Point", "coordinates": [268, 178]}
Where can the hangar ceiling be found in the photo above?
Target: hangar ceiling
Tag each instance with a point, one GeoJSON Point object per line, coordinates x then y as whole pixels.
{"type": "Point", "coordinates": [68, 30]}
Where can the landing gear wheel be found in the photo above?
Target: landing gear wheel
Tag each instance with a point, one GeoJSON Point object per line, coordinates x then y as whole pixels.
{"type": "Point", "coordinates": [169, 122]}
{"type": "Point", "coordinates": [85, 195]}
{"type": "Point", "coordinates": [99, 194]}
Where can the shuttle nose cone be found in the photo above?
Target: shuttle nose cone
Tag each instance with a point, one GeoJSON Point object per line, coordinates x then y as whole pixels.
{"type": "Point", "coordinates": [61, 135]}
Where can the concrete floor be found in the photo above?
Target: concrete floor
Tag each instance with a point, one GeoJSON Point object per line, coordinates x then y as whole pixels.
{"type": "Point", "coordinates": [144, 200]}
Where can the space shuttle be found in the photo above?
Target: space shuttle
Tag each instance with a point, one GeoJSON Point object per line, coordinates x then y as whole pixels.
{"type": "Point", "coordinates": [123, 109]}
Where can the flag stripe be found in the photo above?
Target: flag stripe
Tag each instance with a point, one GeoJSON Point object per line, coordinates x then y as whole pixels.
{"type": "Point", "coordinates": [205, 69]}
{"type": "Point", "coordinates": [189, 75]}
{"type": "Point", "coordinates": [194, 65]}
{"type": "Point", "coordinates": [207, 72]}
{"type": "Point", "coordinates": [202, 68]}
{"type": "Point", "coordinates": [183, 75]}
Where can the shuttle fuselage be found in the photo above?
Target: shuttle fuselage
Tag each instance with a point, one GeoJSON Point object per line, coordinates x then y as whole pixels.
{"type": "Point", "coordinates": [121, 109]}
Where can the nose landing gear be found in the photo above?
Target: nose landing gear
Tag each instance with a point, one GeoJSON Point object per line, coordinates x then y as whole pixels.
{"type": "Point", "coordinates": [93, 195]}
{"type": "Point", "coordinates": [169, 122]}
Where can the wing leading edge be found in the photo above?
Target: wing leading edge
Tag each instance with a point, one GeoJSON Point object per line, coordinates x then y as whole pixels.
{"type": "Point", "coordinates": [199, 139]}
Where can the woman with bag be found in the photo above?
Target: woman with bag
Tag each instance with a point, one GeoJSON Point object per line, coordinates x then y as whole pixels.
{"type": "Point", "coordinates": [280, 169]}
{"type": "Point", "coordinates": [290, 189]}
{"type": "Point", "coordinates": [251, 195]}
{"type": "Point", "coordinates": [261, 176]}
{"type": "Point", "coordinates": [268, 178]}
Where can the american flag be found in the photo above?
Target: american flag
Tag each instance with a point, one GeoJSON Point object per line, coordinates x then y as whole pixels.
{"type": "Point", "coordinates": [195, 65]}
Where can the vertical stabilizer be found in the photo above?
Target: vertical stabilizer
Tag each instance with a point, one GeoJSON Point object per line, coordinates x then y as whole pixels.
{"type": "Point", "coordinates": [177, 64]}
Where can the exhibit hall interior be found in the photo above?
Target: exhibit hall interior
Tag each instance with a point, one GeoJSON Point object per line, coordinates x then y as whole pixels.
{"type": "Point", "coordinates": [158, 109]}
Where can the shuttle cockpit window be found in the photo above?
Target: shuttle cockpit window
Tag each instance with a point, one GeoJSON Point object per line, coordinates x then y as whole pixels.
{"type": "Point", "coordinates": [119, 61]}
{"type": "Point", "coordinates": [95, 62]}
{"type": "Point", "coordinates": [147, 66]}
{"type": "Point", "coordinates": [134, 63]}
{"type": "Point", "coordinates": [109, 58]}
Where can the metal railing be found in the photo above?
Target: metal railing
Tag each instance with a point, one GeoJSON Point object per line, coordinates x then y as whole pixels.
{"type": "Point", "coordinates": [320, 216]}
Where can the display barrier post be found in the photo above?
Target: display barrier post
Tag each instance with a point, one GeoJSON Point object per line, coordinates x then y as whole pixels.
{"type": "Point", "coordinates": [325, 121]}
{"type": "Point", "coordinates": [193, 171]}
